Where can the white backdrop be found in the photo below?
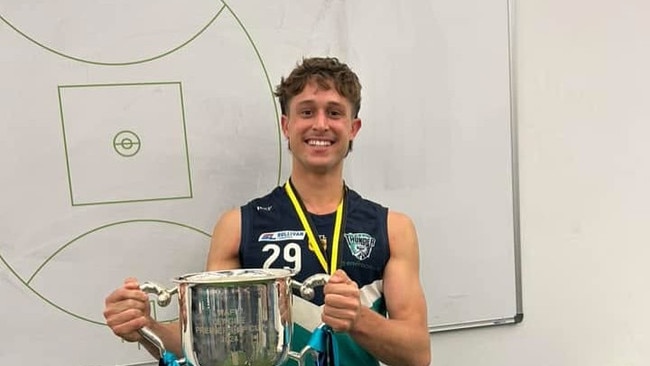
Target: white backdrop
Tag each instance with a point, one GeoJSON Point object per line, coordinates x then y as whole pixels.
{"type": "Point", "coordinates": [127, 128]}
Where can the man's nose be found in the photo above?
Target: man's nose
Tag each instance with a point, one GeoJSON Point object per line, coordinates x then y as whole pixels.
{"type": "Point", "coordinates": [321, 122]}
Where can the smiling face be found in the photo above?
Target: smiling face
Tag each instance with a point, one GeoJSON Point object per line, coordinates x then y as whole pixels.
{"type": "Point", "coordinates": [319, 126]}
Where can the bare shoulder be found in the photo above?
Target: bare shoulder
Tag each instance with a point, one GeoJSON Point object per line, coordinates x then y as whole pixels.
{"type": "Point", "coordinates": [399, 224]}
{"type": "Point", "coordinates": [229, 219]}
{"type": "Point", "coordinates": [224, 246]}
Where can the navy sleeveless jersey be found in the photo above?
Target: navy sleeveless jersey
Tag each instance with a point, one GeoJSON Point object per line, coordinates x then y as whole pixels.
{"type": "Point", "coordinates": [272, 236]}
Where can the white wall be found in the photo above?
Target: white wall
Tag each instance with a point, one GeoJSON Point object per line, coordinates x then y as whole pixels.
{"type": "Point", "coordinates": [583, 90]}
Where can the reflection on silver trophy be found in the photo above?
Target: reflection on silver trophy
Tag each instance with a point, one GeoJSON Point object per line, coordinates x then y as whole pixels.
{"type": "Point", "coordinates": [235, 317]}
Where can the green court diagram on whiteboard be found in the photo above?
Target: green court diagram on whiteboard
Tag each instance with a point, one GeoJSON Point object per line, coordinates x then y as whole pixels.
{"type": "Point", "coordinates": [129, 143]}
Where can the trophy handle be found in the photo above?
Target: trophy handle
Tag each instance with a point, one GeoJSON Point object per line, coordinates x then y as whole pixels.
{"type": "Point", "coordinates": [300, 357]}
{"type": "Point", "coordinates": [306, 289]}
{"type": "Point", "coordinates": [164, 299]}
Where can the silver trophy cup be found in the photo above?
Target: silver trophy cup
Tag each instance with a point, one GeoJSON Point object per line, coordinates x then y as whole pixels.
{"type": "Point", "coordinates": [235, 317]}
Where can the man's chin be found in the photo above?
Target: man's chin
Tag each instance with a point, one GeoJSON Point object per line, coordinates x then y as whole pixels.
{"type": "Point", "coordinates": [320, 166]}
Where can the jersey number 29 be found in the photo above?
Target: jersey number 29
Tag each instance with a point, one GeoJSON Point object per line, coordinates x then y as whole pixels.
{"type": "Point", "coordinates": [290, 254]}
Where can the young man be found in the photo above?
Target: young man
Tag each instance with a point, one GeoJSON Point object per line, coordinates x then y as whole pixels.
{"type": "Point", "coordinates": [373, 300]}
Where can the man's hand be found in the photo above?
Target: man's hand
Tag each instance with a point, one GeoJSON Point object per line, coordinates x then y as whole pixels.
{"type": "Point", "coordinates": [127, 310]}
{"type": "Point", "coordinates": [342, 303]}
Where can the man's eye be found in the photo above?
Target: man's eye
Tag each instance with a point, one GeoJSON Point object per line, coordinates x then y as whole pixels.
{"type": "Point", "coordinates": [336, 113]}
{"type": "Point", "coordinates": [306, 113]}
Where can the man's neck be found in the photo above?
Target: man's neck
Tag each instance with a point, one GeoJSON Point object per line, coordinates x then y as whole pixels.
{"type": "Point", "coordinates": [321, 194]}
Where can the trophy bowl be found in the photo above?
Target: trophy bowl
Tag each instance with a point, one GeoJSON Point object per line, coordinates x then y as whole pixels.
{"type": "Point", "coordinates": [234, 317]}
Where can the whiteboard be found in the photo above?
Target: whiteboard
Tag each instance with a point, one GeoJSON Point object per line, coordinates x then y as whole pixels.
{"type": "Point", "coordinates": [126, 128]}
{"type": "Point", "coordinates": [438, 144]}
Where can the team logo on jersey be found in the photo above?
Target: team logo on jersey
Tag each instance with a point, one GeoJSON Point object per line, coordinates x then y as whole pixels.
{"type": "Point", "coordinates": [360, 244]}
{"type": "Point", "coordinates": [282, 235]}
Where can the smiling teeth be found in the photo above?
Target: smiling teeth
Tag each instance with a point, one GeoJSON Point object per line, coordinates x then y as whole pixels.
{"type": "Point", "coordinates": [319, 143]}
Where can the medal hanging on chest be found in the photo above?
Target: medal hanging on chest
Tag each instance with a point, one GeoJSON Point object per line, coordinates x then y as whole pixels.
{"type": "Point", "coordinates": [323, 242]}
{"type": "Point", "coordinates": [318, 243]}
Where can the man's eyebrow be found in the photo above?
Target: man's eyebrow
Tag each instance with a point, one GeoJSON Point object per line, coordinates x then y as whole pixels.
{"type": "Point", "coordinates": [305, 102]}
{"type": "Point", "coordinates": [311, 102]}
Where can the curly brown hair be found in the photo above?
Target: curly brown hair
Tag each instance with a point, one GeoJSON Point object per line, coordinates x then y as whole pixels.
{"type": "Point", "coordinates": [325, 71]}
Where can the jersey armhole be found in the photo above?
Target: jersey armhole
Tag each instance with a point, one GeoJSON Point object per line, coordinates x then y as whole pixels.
{"type": "Point", "coordinates": [384, 231]}
{"type": "Point", "coordinates": [245, 228]}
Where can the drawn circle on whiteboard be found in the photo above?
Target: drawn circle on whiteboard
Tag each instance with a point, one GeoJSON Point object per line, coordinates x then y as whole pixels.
{"type": "Point", "coordinates": [129, 35]}
{"type": "Point", "coordinates": [126, 143]}
{"type": "Point", "coordinates": [147, 238]}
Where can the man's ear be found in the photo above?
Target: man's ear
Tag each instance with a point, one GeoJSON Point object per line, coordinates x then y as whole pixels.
{"type": "Point", "coordinates": [284, 121]}
{"type": "Point", "coordinates": [356, 126]}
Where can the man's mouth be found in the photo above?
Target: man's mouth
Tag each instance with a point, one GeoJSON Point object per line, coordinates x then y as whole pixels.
{"type": "Point", "coordinates": [319, 143]}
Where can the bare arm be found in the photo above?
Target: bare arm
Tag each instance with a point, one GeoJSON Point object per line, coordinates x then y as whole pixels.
{"type": "Point", "coordinates": [127, 308]}
{"type": "Point", "coordinates": [403, 338]}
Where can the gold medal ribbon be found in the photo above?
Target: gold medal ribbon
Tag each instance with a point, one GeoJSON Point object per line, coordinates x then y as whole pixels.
{"type": "Point", "coordinates": [311, 231]}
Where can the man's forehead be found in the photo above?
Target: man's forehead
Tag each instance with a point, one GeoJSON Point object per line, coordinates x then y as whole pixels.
{"type": "Point", "coordinates": [314, 86]}
{"type": "Point", "coordinates": [313, 90]}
